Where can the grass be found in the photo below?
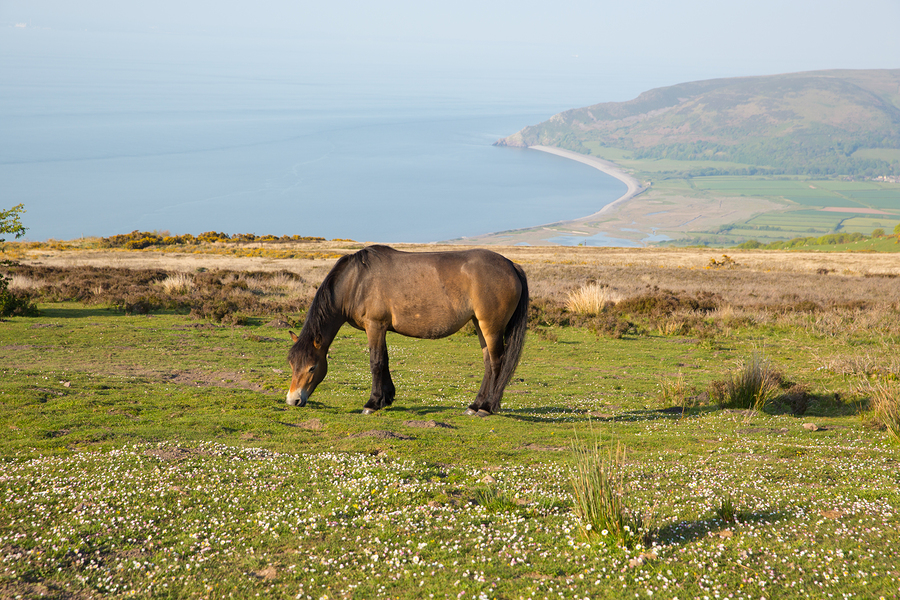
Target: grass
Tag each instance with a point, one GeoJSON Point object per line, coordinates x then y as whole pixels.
{"type": "Point", "coordinates": [152, 455]}
{"type": "Point", "coordinates": [754, 386]}
{"type": "Point", "coordinates": [600, 497]}
{"type": "Point", "coordinates": [885, 407]}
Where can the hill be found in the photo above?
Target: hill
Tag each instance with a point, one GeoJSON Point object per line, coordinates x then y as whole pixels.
{"type": "Point", "coordinates": [814, 123]}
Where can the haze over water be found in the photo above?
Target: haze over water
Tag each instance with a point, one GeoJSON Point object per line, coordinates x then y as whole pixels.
{"type": "Point", "coordinates": [170, 147]}
{"type": "Point", "coordinates": [371, 121]}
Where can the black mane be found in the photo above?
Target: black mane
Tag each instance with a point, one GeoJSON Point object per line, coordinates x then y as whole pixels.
{"type": "Point", "coordinates": [324, 304]}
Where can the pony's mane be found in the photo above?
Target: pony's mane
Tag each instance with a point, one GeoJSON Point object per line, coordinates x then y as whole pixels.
{"type": "Point", "coordinates": [324, 305]}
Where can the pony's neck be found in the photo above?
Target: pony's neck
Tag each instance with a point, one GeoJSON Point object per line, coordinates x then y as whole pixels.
{"type": "Point", "coordinates": [324, 318]}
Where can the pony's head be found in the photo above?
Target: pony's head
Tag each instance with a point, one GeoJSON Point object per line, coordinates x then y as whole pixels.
{"type": "Point", "coordinates": [309, 365]}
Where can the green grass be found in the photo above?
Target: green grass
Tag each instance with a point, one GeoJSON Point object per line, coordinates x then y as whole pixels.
{"type": "Point", "coordinates": [154, 456]}
{"type": "Point", "coordinates": [802, 200]}
{"type": "Point", "coordinates": [801, 197]}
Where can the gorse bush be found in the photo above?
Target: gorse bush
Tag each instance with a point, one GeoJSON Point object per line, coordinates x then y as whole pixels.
{"type": "Point", "coordinates": [14, 303]}
{"type": "Point", "coordinates": [601, 499]}
{"type": "Point", "coordinates": [138, 240]}
{"type": "Point", "coordinates": [754, 386]}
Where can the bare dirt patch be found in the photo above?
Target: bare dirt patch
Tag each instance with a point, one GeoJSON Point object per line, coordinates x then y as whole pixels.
{"type": "Point", "coordinates": [381, 434]}
{"type": "Point", "coordinates": [427, 424]}
{"type": "Point", "coordinates": [309, 425]}
{"type": "Point", "coordinates": [542, 448]}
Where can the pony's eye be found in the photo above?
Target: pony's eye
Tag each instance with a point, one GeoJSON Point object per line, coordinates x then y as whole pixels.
{"type": "Point", "coordinates": [312, 368]}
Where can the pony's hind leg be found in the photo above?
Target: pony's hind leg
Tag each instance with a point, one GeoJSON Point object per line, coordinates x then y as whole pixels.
{"type": "Point", "coordinates": [383, 389]}
{"type": "Point", "coordinates": [479, 403]}
{"type": "Point", "coordinates": [492, 349]}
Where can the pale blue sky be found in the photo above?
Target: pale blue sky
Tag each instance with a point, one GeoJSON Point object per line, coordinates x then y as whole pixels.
{"type": "Point", "coordinates": [177, 114]}
{"type": "Point", "coordinates": [643, 43]}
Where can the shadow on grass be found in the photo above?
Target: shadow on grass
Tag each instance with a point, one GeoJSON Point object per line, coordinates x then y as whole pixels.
{"type": "Point", "coordinates": [685, 532]}
{"type": "Point", "coordinates": [552, 414]}
{"type": "Point", "coordinates": [422, 411]}
{"type": "Point", "coordinates": [77, 312]}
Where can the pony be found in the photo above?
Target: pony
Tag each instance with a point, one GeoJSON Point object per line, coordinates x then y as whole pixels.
{"type": "Point", "coordinates": [426, 295]}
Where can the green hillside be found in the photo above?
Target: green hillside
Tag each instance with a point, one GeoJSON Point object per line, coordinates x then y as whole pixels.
{"type": "Point", "coordinates": [814, 123]}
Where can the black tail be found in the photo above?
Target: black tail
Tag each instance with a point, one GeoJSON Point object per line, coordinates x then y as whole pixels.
{"type": "Point", "coordinates": [513, 341]}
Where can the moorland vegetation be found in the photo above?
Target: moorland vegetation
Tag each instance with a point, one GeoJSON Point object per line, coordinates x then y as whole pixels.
{"type": "Point", "coordinates": [683, 423]}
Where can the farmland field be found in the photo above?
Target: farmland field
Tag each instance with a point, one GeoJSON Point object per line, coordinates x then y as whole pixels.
{"type": "Point", "coordinates": [797, 207]}
{"type": "Point", "coordinates": [149, 453]}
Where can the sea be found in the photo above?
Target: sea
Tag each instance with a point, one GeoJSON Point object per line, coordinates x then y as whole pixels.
{"type": "Point", "coordinates": [100, 135]}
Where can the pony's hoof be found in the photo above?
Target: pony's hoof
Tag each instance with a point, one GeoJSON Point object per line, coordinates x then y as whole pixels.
{"type": "Point", "coordinates": [482, 413]}
{"type": "Point", "coordinates": [470, 412]}
{"type": "Point", "coordinates": [368, 411]}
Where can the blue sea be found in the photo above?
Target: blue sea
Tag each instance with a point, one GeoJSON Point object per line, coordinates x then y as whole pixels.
{"type": "Point", "coordinates": [103, 135]}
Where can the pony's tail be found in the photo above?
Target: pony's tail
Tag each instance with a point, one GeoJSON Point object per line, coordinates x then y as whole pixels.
{"type": "Point", "coordinates": [513, 341]}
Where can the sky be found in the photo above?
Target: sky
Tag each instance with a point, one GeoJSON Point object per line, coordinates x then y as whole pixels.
{"type": "Point", "coordinates": [633, 45]}
{"type": "Point", "coordinates": [164, 87]}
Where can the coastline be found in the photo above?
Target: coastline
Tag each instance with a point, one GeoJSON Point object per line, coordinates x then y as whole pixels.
{"type": "Point", "coordinates": [634, 187]}
{"type": "Point", "coordinates": [546, 234]}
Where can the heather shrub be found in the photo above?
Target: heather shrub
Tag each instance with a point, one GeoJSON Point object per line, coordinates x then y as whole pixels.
{"type": "Point", "coordinates": [218, 295]}
{"type": "Point", "coordinates": [659, 303]}
{"type": "Point", "coordinates": [613, 326]}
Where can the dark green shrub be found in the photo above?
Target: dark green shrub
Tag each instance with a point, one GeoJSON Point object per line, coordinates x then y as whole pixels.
{"type": "Point", "coordinates": [14, 303]}
{"type": "Point", "coordinates": [754, 386]}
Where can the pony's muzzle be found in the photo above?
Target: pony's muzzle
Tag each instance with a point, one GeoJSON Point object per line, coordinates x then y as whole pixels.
{"type": "Point", "coordinates": [297, 398]}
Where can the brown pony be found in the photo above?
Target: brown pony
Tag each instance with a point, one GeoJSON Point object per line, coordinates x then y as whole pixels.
{"type": "Point", "coordinates": [424, 295]}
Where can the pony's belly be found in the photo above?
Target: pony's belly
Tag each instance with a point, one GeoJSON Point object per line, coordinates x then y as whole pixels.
{"type": "Point", "coordinates": [427, 327]}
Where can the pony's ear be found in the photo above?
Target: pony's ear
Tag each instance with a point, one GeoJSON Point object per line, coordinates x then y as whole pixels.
{"type": "Point", "coordinates": [294, 337]}
{"type": "Point", "coordinates": [317, 343]}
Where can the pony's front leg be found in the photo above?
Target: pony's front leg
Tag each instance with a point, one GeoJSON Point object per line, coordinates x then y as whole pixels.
{"type": "Point", "coordinates": [382, 386]}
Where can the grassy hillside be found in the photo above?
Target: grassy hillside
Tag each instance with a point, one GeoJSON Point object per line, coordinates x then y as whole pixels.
{"type": "Point", "coordinates": [148, 452]}
{"type": "Point", "coordinates": [815, 123]}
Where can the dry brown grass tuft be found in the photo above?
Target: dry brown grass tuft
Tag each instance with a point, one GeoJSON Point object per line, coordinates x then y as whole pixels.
{"type": "Point", "coordinates": [25, 283]}
{"type": "Point", "coordinates": [884, 410]}
{"type": "Point", "coordinates": [177, 283]}
{"type": "Point", "coordinates": [592, 298]}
